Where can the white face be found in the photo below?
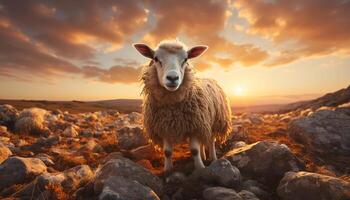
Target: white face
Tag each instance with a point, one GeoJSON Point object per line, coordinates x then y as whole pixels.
{"type": "Point", "coordinates": [170, 68]}
{"type": "Point", "coordinates": [170, 65]}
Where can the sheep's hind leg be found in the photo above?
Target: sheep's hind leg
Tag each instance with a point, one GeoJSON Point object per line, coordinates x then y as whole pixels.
{"type": "Point", "coordinates": [195, 147]}
{"type": "Point", "coordinates": [168, 151]}
{"type": "Point", "coordinates": [212, 151]}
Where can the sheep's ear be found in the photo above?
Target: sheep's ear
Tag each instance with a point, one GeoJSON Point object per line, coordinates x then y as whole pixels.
{"type": "Point", "coordinates": [196, 51]}
{"type": "Point", "coordinates": [144, 50]}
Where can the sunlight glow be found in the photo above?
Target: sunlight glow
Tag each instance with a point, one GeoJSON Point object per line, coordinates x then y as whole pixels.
{"type": "Point", "coordinates": [238, 91]}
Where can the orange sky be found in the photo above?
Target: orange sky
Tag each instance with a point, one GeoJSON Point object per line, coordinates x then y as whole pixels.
{"type": "Point", "coordinates": [260, 51]}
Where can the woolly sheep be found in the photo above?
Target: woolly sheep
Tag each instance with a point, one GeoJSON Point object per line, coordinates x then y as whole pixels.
{"type": "Point", "coordinates": [178, 105]}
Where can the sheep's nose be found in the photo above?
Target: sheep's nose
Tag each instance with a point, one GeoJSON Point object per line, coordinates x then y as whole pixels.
{"type": "Point", "coordinates": [172, 78]}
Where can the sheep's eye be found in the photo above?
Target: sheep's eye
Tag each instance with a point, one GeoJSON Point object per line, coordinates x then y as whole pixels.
{"type": "Point", "coordinates": [157, 60]}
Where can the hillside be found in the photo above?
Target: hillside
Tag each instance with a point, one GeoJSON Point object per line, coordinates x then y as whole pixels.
{"type": "Point", "coordinates": [331, 99]}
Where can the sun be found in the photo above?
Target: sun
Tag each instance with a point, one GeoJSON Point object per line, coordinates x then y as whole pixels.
{"type": "Point", "coordinates": [238, 91]}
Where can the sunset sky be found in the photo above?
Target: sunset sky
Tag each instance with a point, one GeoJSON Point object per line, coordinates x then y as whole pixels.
{"type": "Point", "coordinates": [260, 51]}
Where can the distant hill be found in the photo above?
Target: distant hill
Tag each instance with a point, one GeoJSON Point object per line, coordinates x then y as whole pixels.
{"type": "Point", "coordinates": [131, 105]}
{"type": "Point", "coordinates": [330, 99]}
{"type": "Point", "coordinates": [122, 105]}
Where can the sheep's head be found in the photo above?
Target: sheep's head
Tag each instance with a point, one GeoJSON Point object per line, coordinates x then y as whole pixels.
{"type": "Point", "coordinates": [170, 59]}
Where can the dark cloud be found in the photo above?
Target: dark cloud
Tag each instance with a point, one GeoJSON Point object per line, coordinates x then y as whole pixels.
{"type": "Point", "coordinates": [315, 27]}
{"type": "Point", "coordinates": [18, 54]}
{"type": "Point", "coordinates": [73, 28]}
{"type": "Point", "coordinates": [41, 38]}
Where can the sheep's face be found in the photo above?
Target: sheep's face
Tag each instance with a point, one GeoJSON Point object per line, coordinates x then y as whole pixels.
{"type": "Point", "coordinates": [170, 67]}
{"type": "Point", "coordinates": [170, 60]}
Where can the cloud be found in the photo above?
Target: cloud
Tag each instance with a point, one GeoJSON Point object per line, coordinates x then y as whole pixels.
{"type": "Point", "coordinates": [74, 29]}
{"type": "Point", "coordinates": [19, 55]}
{"type": "Point", "coordinates": [115, 74]}
{"type": "Point", "coordinates": [202, 22]}
{"type": "Point", "coordinates": [314, 27]}
{"type": "Point", "coordinates": [41, 39]}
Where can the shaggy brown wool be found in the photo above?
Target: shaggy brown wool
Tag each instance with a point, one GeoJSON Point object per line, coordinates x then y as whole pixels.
{"type": "Point", "coordinates": [198, 108]}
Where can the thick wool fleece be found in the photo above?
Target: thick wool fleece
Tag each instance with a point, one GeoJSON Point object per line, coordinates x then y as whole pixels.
{"type": "Point", "coordinates": [198, 108]}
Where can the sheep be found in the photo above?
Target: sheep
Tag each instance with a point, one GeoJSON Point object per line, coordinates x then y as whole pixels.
{"type": "Point", "coordinates": [178, 106]}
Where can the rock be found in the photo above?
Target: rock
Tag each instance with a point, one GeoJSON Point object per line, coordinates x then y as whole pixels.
{"type": "Point", "coordinates": [8, 115]}
{"type": "Point", "coordinates": [43, 142]}
{"type": "Point", "coordinates": [71, 131]}
{"type": "Point", "coordinates": [220, 193]}
{"type": "Point", "coordinates": [45, 158]}
{"type": "Point", "coordinates": [20, 143]}
{"type": "Point", "coordinates": [120, 188]}
{"type": "Point", "coordinates": [121, 122]}
{"type": "Point", "coordinates": [135, 117]}
{"type": "Point", "coordinates": [92, 146]}
{"type": "Point", "coordinates": [69, 180]}
{"type": "Point", "coordinates": [69, 117]}
{"type": "Point", "coordinates": [325, 131]}
{"type": "Point", "coordinates": [3, 129]}
{"type": "Point", "coordinates": [145, 152]}
{"type": "Point", "coordinates": [123, 167]}
{"type": "Point", "coordinates": [219, 173]}
{"type": "Point", "coordinates": [4, 152]}
{"type": "Point", "coordinates": [239, 144]}
{"type": "Point", "coordinates": [312, 186]}
{"type": "Point", "coordinates": [255, 188]}
{"type": "Point", "coordinates": [246, 195]}
{"type": "Point", "coordinates": [15, 170]}
{"type": "Point", "coordinates": [31, 121]}
{"type": "Point", "coordinates": [92, 117]}
{"type": "Point", "coordinates": [225, 174]}
{"type": "Point", "coordinates": [264, 161]}
{"type": "Point", "coordinates": [131, 137]}
{"type": "Point", "coordinates": [255, 118]}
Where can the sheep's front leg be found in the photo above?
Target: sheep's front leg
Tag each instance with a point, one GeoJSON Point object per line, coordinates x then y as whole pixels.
{"type": "Point", "coordinates": [212, 151]}
{"type": "Point", "coordinates": [168, 152]}
{"type": "Point", "coordinates": [195, 147]}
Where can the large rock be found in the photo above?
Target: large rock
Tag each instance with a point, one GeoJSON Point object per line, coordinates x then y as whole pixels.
{"type": "Point", "coordinates": [221, 193]}
{"type": "Point", "coordinates": [123, 167]}
{"type": "Point", "coordinates": [311, 186]}
{"type": "Point", "coordinates": [264, 161]}
{"type": "Point", "coordinates": [8, 115]}
{"type": "Point", "coordinates": [68, 180]}
{"type": "Point", "coordinates": [224, 173]}
{"type": "Point", "coordinates": [324, 131]}
{"type": "Point", "coordinates": [16, 170]}
{"type": "Point", "coordinates": [4, 152]}
{"type": "Point", "coordinates": [31, 121]}
{"type": "Point", "coordinates": [218, 173]}
{"type": "Point", "coordinates": [120, 188]}
{"type": "Point", "coordinates": [131, 137]}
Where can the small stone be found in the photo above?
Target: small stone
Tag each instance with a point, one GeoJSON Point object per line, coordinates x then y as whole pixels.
{"type": "Point", "coordinates": [71, 131]}
{"type": "Point", "coordinates": [5, 152]}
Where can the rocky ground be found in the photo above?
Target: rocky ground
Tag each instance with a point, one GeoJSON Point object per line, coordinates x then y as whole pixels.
{"type": "Point", "coordinates": [302, 154]}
